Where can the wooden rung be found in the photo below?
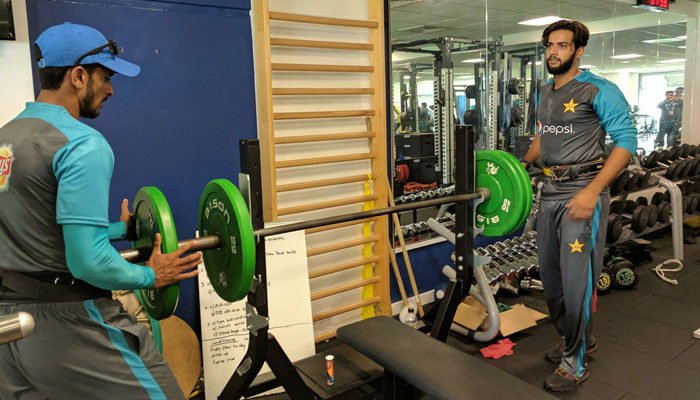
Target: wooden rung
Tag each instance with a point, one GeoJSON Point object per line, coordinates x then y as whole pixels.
{"type": "Point", "coordinates": [343, 288]}
{"type": "Point", "coordinates": [339, 246]}
{"type": "Point", "coordinates": [344, 309]}
{"type": "Point", "coordinates": [321, 20]}
{"type": "Point", "coordinates": [320, 44]}
{"type": "Point", "coordinates": [325, 204]}
{"type": "Point", "coordinates": [320, 91]}
{"type": "Point", "coordinates": [320, 67]}
{"type": "Point", "coordinates": [342, 267]}
{"type": "Point", "coordinates": [322, 183]}
{"type": "Point", "coordinates": [324, 336]}
{"type": "Point", "coordinates": [340, 225]}
{"type": "Point", "coordinates": [322, 138]}
{"type": "Point", "coordinates": [323, 114]}
{"type": "Point", "coordinates": [324, 160]}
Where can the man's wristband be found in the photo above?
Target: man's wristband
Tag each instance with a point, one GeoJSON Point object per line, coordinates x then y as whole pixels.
{"type": "Point", "coordinates": [526, 162]}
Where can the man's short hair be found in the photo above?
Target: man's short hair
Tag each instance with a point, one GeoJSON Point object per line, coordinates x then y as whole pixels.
{"type": "Point", "coordinates": [680, 88]}
{"type": "Point", "coordinates": [670, 92]}
{"type": "Point", "coordinates": [50, 78]}
{"type": "Point", "coordinates": [580, 31]}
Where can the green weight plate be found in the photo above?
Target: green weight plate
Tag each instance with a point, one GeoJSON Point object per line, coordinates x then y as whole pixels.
{"type": "Point", "coordinates": [511, 193]}
{"type": "Point", "coordinates": [152, 215]}
{"type": "Point", "coordinates": [224, 212]}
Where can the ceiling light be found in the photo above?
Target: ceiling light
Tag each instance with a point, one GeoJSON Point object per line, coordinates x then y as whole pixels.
{"type": "Point", "coordinates": [681, 37]}
{"type": "Point", "coordinates": [407, 77]}
{"type": "Point", "coordinates": [672, 61]}
{"type": "Point", "coordinates": [625, 62]}
{"type": "Point", "coordinates": [474, 60]}
{"type": "Point", "coordinates": [537, 63]}
{"type": "Point", "coordinates": [681, 47]}
{"type": "Point", "coordinates": [540, 21]}
{"type": "Point", "coordinates": [586, 66]}
{"type": "Point", "coordinates": [625, 56]}
{"type": "Point", "coordinates": [664, 40]}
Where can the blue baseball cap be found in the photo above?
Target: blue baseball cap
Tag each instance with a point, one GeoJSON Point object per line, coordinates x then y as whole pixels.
{"type": "Point", "coordinates": [73, 44]}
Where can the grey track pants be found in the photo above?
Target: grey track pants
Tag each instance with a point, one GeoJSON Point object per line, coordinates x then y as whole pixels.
{"type": "Point", "coordinates": [571, 257]}
{"type": "Point", "coordinates": [84, 350]}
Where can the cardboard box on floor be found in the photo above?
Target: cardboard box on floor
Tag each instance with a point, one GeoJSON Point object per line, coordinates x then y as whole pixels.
{"type": "Point", "coordinates": [473, 315]}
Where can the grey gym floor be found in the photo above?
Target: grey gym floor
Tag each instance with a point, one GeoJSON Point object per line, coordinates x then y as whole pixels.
{"type": "Point", "coordinates": [646, 348]}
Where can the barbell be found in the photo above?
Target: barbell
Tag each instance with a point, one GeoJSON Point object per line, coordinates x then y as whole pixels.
{"type": "Point", "coordinates": [228, 242]}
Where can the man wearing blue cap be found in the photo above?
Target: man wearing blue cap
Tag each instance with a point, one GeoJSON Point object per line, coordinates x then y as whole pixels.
{"type": "Point", "coordinates": [56, 261]}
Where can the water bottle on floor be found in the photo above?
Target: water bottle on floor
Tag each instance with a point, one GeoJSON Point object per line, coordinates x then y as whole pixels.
{"type": "Point", "coordinates": [411, 319]}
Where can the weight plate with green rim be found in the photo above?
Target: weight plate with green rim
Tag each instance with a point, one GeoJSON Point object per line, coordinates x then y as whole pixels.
{"type": "Point", "coordinates": [224, 212]}
{"type": "Point", "coordinates": [152, 215]}
{"type": "Point", "coordinates": [511, 193]}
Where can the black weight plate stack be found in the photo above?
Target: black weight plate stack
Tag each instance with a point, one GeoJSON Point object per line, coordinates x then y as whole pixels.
{"type": "Point", "coordinates": [685, 203]}
{"type": "Point", "coordinates": [645, 179]}
{"type": "Point", "coordinates": [620, 182]}
{"type": "Point", "coordinates": [630, 205]}
{"type": "Point", "coordinates": [641, 201]}
{"type": "Point", "coordinates": [657, 198]}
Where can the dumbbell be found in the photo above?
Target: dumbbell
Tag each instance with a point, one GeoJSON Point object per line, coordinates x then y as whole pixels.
{"type": "Point", "coordinates": [658, 197]}
{"type": "Point", "coordinates": [514, 253]}
{"type": "Point", "coordinates": [497, 262]}
{"type": "Point", "coordinates": [638, 213]}
{"type": "Point", "coordinates": [622, 273]}
{"type": "Point", "coordinates": [653, 210]}
{"type": "Point", "coordinates": [687, 153]}
{"type": "Point", "coordinates": [528, 255]}
{"type": "Point", "coordinates": [527, 248]}
{"type": "Point", "coordinates": [656, 158]}
{"type": "Point", "coordinates": [664, 211]}
{"type": "Point", "coordinates": [519, 265]}
{"type": "Point", "coordinates": [627, 180]}
{"type": "Point", "coordinates": [604, 282]}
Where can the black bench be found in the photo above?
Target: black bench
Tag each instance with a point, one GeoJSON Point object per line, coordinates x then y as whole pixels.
{"type": "Point", "coordinates": [437, 369]}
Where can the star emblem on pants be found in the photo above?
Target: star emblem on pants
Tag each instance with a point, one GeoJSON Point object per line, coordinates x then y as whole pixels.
{"type": "Point", "coordinates": [576, 246]}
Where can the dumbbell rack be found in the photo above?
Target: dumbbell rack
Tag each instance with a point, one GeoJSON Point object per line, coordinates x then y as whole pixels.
{"type": "Point", "coordinates": [676, 220]}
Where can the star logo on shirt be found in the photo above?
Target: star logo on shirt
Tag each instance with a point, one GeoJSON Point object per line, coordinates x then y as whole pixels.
{"type": "Point", "coordinates": [576, 246]}
{"type": "Point", "coordinates": [570, 106]}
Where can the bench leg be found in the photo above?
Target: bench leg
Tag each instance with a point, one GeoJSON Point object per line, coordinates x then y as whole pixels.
{"type": "Point", "coordinates": [396, 388]}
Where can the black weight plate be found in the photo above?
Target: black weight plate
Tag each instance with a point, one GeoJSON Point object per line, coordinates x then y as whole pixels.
{"type": "Point", "coordinates": [640, 217]}
{"type": "Point", "coordinates": [692, 204]}
{"type": "Point", "coordinates": [623, 275]}
{"type": "Point", "coordinates": [657, 198]}
{"type": "Point", "coordinates": [671, 171]}
{"type": "Point", "coordinates": [675, 152]}
{"type": "Point", "coordinates": [604, 282]}
{"type": "Point", "coordinates": [664, 211]}
{"type": "Point", "coordinates": [694, 150]}
{"type": "Point", "coordinates": [615, 225]}
{"type": "Point", "coordinates": [632, 182]}
{"type": "Point", "coordinates": [630, 205]}
{"type": "Point", "coordinates": [641, 201]}
{"type": "Point", "coordinates": [685, 149]}
{"type": "Point", "coordinates": [645, 179]}
{"type": "Point", "coordinates": [651, 160]}
{"type": "Point", "coordinates": [617, 207]}
{"type": "Point", "coordinates": [696, 165]}
{"type": "Point", "coordinates": [667, 196]}
{"type": "Point", "coordinates": [687, 169]}
{"type": "Point", "coordinates": [653, 215]}
{"type": "Point", "coordinates": [684, 205]}
{"type": "Point", "coordinates": [620, 182]}
{"type": "Point", "coordinates": [664, 155]}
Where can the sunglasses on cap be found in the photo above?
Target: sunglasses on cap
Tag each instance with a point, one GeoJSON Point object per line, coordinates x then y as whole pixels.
{"type": "Point", "coordinates": [111, 46]}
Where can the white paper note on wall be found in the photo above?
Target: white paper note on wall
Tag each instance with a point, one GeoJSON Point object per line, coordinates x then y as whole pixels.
{"type": "Point", "coordinates": [224, 330]}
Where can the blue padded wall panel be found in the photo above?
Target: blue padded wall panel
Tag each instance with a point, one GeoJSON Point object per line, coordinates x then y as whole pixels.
{"type": "Point", "coordinates": [176, 125]}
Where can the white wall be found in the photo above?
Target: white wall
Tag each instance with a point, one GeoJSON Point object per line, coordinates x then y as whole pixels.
{"type": "Point", "coordinates": [15, 67]}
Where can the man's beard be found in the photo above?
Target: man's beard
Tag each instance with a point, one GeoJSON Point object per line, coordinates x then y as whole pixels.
{"type": "Point", "coordinates": [565, 66]}
{"type": "Point", "coordinates": [86, 103]}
